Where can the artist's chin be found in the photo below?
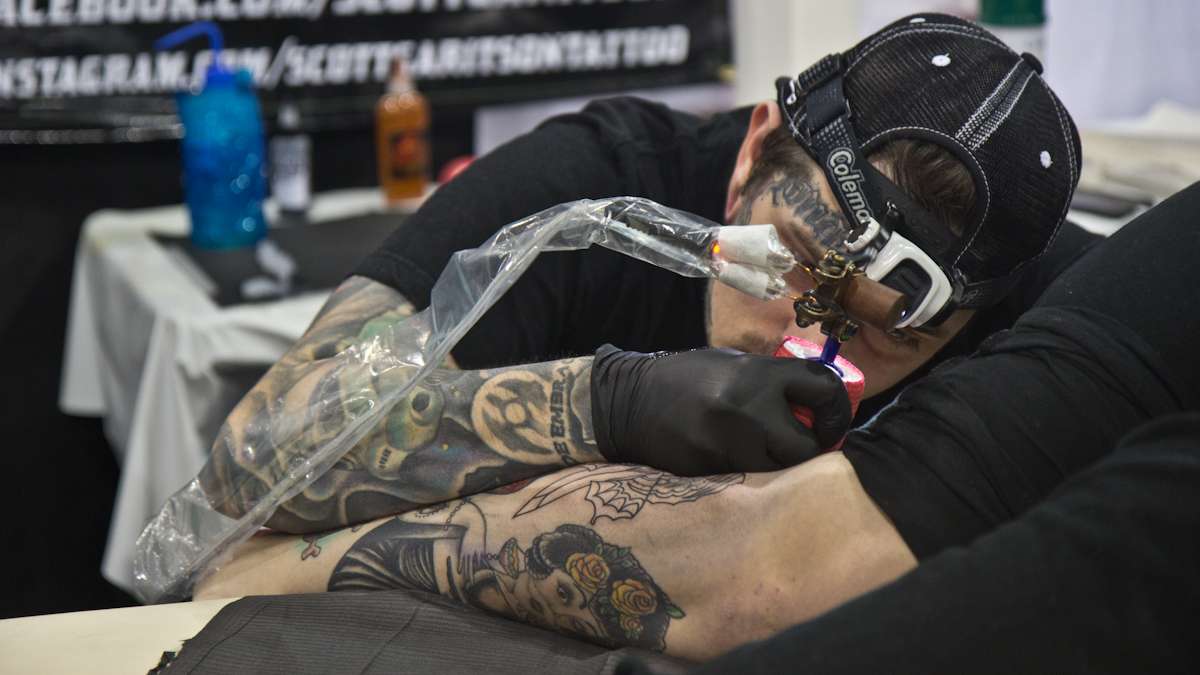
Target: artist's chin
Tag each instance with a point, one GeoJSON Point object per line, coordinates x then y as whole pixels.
{"type": "Point", "coordinates": [752, 343]}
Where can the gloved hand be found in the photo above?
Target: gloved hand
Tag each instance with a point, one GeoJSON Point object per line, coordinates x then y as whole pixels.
{"type": "Point", "coordinates": [713, 410]}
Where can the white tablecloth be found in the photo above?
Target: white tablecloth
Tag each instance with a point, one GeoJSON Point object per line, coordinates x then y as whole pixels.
{"type": "Point", "coordinates": [142, 340]}
{"type": "Point", "coordinates": [125, 640]}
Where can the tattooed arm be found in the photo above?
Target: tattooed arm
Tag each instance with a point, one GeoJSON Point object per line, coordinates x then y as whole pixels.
{"type": "Point", "coordinates": [617, 554]}
{"type": "Point", "coordinates": [459, 433]}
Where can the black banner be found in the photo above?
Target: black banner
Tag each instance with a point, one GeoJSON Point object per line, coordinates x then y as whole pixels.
{"type": "Point", "coordinates": [85, 70]}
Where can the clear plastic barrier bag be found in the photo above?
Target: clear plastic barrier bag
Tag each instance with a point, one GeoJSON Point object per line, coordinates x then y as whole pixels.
{"type": "Point", "coordinates": [190, 537]}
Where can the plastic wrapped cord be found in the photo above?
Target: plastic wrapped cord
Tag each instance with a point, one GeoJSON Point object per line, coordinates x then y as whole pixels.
{"type": "Point", "coordinates": [191, 536]}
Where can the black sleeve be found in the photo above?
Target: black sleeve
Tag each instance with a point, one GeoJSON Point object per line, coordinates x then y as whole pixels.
{"type": "Point", "coordinates": [607, 149]}
{"type": "Point", "coordinates": [567, 301]}
{"type": "Point", "coordinates": [559, 162]}
{"type": "Point", "coordinates": [1108, 347]}
{"type": "Point", "coordinates": [1100, 578]}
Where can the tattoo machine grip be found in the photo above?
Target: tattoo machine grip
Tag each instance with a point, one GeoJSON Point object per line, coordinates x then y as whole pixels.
{"type": "Point", "coordinates": [861, 299]}
{"type": "Point", "coordinates": [870, 302]}
{"type": "Point", "coordinates": [852, 378]}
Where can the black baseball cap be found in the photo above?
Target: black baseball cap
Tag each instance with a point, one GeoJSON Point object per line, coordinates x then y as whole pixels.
{"type": "Point", "coordinates": [947, 81]}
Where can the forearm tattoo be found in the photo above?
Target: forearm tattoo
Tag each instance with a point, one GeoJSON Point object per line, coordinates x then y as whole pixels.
{"type": "Point", "coordinates": [568, 579]}
{"type": "Point", "coordinates": [457, 433]}
{"type": "Point", "coordinates": [311, 545]}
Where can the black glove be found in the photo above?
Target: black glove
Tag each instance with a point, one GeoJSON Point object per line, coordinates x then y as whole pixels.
{"type": "Point", "coordinates": [713, 410]}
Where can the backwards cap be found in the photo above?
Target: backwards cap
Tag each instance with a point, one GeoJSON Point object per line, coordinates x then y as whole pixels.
{"type": "Point", "coordinates": [947, 81]}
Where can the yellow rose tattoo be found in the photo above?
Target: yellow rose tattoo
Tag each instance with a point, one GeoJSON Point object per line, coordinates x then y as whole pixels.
{"type": "Point", "coordinates": [631, 596]}
{"type": "Point", "coordinates": [588, 570]}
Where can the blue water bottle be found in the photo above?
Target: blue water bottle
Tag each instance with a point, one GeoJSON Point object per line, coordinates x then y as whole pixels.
{"type": "Point", "coordinates": [224, 167]}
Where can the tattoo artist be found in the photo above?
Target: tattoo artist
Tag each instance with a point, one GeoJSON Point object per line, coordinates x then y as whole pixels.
{"type": "Point", "coordinates": [974, 145]}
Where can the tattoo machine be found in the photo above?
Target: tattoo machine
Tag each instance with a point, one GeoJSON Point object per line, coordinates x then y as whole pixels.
{"type": "Point", "coordinates": [840, 300]}
{"type": "Point", "coordinates": [838, 284]}
{"type": "Point", "coordinates": [279, 456]}
{"type": "Point", "coordinates": [752, 259]}
{"type": "Point", "coordinates": [852, 378]}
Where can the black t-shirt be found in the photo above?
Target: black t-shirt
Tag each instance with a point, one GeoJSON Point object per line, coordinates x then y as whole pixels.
{"type": "Point", "coordinates": [570, 303]}
{"type": "Point", "coordinates": [1049, 484]}
{"type": "Point", "coordinates": [1110, 345]}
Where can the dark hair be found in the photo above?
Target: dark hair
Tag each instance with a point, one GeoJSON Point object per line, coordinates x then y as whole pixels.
{"type": "Point", "coordinates": [619, 577]}
{"type": "Point", "coordinates": [929, 174]}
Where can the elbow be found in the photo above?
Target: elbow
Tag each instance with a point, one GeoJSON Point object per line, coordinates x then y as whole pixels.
{"type": "Point", "coordinates": [231, 482]}
{"type": "Point", "coordinates": [285, 521]}
{"type": "Point", "coordinates": [236, 500]}
{"type": "Point", "coordinates": [221, 493]}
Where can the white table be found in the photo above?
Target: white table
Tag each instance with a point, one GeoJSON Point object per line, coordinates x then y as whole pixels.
{"type": "Point", "coordinates": [142, 340]}
{"type": "Point", "coordinates": [126, 640]}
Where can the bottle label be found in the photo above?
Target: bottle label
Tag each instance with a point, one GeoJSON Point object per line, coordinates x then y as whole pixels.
{"type": "Point", "coordinates": [408, 154]}
{"type": "Point", "coordinates": [290, 172]}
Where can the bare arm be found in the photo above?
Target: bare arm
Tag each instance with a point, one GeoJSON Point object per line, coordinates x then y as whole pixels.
{"type": "Point", "coordinates": [616, 554]}
{"type": "Point", "coordinates": [459, 433]}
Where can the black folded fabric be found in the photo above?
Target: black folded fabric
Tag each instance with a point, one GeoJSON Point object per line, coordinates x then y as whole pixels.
{"type": "Point", "coordinates": [385, 632]}
{"type": "Point", "coordinates": [325, 253]}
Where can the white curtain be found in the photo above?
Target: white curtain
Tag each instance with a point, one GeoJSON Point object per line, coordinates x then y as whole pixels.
{"type": "Point", "coordinates": [1115, 58]}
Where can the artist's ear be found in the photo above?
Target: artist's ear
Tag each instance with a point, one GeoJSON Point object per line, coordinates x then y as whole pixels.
{"type": "Point", "coordinates": [763, 120]}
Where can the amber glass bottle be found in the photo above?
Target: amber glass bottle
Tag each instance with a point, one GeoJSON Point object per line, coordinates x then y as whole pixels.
{"type": "Point", "coordinates": [402, 138]}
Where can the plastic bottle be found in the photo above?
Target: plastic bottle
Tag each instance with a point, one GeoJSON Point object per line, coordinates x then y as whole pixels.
{"type": "Point", "coordinates": [1021, 24]}
{"type": "Point", "coordinates": [402, 138]}
{"type": "Point", "coordinates": [291, 167]}
{"type": "Point", "coordinates": [224, 168]}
